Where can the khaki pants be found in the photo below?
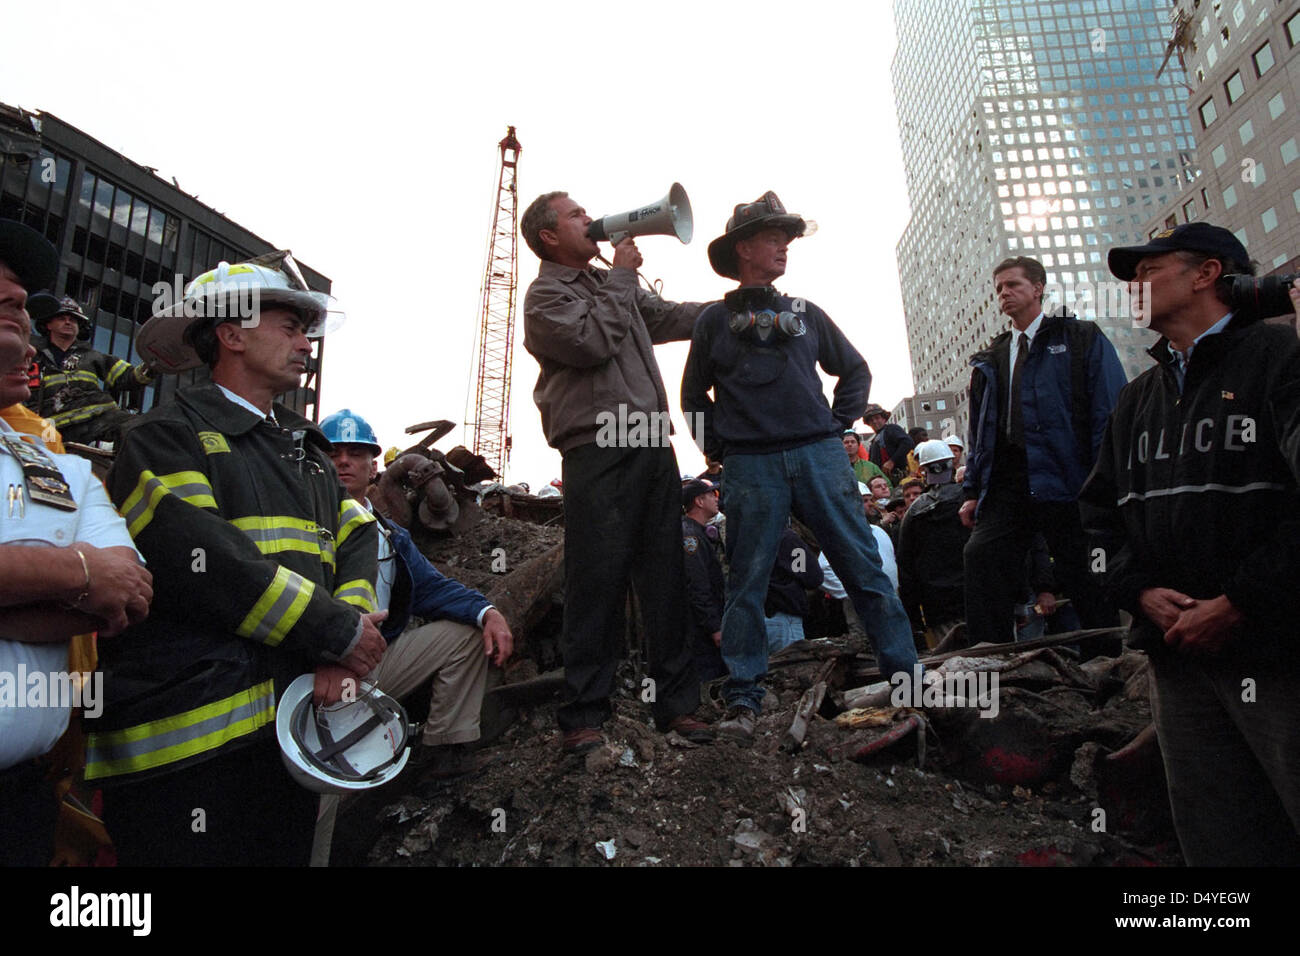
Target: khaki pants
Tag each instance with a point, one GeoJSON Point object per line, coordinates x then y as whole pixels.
{"type": "Point", "coordinates": [452, 655]}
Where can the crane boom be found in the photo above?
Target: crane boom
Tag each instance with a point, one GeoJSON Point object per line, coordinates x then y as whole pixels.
{"type": "Point", "coordinates": [495, 349]}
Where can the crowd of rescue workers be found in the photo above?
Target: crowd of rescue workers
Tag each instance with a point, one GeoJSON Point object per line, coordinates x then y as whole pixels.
{"type": "Point", "coordinates": [208, 656]}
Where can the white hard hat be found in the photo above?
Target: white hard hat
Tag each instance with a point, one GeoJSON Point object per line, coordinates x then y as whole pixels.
{"type": "Point", "coordinates": [954, 440]}
{"type": "Point", "coordinates": [352, 745]}
{"type": "Point", "coordinates": [231, 293]}
{"type": "Point", "coordinates": [932, 451]}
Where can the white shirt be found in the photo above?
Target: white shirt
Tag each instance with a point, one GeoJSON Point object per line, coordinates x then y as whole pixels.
{"type": "Point", "coordinates": [244, 403]}
{"type": "Point", "coordinates": [830, 580]}
{"type": "Point", "coordinates": [29, 731]}
{"type": "Point", "coordinates": [1031, 331]}
{"type": "Point", "coordinates": [387, 575]}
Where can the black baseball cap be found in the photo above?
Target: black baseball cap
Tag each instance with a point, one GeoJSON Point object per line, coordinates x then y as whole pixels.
{"type": "Point", "coordinates": [693, 489]}
{"type": "Point", "coordinates": [29, 255]}
{"type": "Point", "coordinates": [1214, 241]}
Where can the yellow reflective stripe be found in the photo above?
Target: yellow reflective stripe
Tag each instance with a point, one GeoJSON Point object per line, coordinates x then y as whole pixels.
{"type": "Point", "coordinates": [119, 369]}
{"type": "Point", "coordinates": [164, 741]}
{"type": "Point", "coordinates": [275, 533]}
{"type": "Point", "coordinates": [192, 487]}
{"type": "Point", "coordinates": [360, 593]}
{"type": "Point", "coordinates": [351, 516]}
{"type": "Point", "coordinates": [74, 415]}
{"type": "Point", "coordinates": [278, 609]}
{"type": "Point", "coordinates": [62, 378]}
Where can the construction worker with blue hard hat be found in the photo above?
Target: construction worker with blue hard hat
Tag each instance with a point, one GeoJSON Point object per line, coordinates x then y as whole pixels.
{"type": "Point", "coordinates": [458, 634]}
{"type": "Point", "coordinates": [346, 428]}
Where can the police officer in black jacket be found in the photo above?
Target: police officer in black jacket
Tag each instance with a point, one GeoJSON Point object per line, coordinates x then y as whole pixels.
{"type": "Point", "coordinates": [704, 584]}
{"type": "Point", "coordinates": [1194, 505]}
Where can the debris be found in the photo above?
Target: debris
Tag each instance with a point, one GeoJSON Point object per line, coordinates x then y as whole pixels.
{"type": "Point", "coordinates": [628, 758]}
{"type": "Point", "coordinates": [865, 746]}
{"type": "Point", "coordinates": [607, 849]}
{"type": "Point", "coordinates": [883, 845]}
{"type": "Point", "coordinates": [604, 757]}
{"type": "Point", "coordinates": [809, 704]}
{"type": "Point", "coordinates": [860, 717]}
{"type": "Point", "coordinates": [792, 800]}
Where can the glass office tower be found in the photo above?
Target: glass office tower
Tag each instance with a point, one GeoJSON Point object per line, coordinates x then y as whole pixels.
{"type": "Point", "coordinates": [1029, 128]}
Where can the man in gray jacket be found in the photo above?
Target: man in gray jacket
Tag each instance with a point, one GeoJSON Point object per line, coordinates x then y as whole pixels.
{"type": "Point", "coordinates": [604, 408]}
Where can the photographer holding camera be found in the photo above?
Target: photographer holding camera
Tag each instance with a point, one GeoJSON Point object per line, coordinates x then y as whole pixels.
{"type": "Point", "coordinates": [1194, 506]}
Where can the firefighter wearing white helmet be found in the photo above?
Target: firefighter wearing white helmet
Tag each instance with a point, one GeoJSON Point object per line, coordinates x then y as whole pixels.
{"type": "Point", "coordinates": [179, 335]}
{"type": "Point", "coordinates": [263, 570]}
{"type": "Point", "coordinates": [936, 461]}
{"type": "Point", "coordinates": [931, 573]}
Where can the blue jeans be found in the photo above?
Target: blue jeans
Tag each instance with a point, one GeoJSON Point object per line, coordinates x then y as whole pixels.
{"type": "Point", "coordinates": [816, 483]}
{"type": "Point", "coordinates": [782, 631]}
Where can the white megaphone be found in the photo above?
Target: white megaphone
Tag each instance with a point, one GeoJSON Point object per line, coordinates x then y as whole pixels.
{"type": "Point", "coordinates": [670, 216]}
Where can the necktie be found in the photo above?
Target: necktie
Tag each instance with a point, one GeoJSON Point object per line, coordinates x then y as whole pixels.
{"type": "Point", "coordinates": [1016, 417]}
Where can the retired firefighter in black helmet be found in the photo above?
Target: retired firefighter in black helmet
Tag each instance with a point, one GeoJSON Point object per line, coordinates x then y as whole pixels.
{"type": "Point", "coordinates": [79, 387]}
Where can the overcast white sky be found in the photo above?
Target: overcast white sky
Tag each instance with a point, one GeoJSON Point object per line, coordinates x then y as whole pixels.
{"type": "Point", "coordinates": [363, 137]}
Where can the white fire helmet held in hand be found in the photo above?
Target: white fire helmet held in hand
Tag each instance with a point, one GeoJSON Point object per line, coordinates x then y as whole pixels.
{"type": "Point", "coordinates": [353, 745]}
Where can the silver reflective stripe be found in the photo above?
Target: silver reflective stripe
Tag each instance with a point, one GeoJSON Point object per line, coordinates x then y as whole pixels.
{"type": "Point", "coordinates": [261, 536]}
{"type": "Point", "coordinates": [270, 622]}
{"type": "Point", "coordinates": [185, 492]}
{"type": "Point", "coordinates": [358, 592]}
{"type": "Point", "coordinates": [97, 752]}
{"type": "Point", "coordinates": [1197, 489]}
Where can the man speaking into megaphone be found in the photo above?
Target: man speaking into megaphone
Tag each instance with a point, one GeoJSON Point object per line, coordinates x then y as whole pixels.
{"type": "Point", "coordinates": [605, 409]}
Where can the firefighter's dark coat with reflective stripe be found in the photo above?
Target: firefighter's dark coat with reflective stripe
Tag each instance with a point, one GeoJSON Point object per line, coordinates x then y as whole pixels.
{"type": "Point", "coordinates": [84, 385]}
{"type": "Point", "coordinates": [261, 568]}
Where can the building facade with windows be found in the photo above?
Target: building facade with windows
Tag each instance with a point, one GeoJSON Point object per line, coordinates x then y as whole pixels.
{"type": "Point", "coordinates": [1028, 128]}
{"type": "Point", "coordinates": [120, 230]}
{"type": "Point", "coordinates": [1243, 70]}
{"type": "Point", "coordinates": [936, 412]}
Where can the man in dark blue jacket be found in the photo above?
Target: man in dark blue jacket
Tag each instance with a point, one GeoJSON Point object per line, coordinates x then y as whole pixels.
{"type": "Point", "coordinates": [1039, 398]}
{"type": "Point", "coordinates": [459, 633]}
{"type": "Point", "coordinates": [779, 441]}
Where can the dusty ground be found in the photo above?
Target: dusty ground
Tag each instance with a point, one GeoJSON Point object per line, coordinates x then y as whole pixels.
{"type": "Point", "coordinates": [648, 800]}
{"type": "Point", "coordinates": [1029, 788]}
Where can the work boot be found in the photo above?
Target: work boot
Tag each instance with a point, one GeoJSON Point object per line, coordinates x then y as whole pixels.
{"type": "Point", "coordinates": [739, 723]}
{"type": "Point", "coordinates": [443, 761]}
{"type": "Point", "coordinates": [581, 740]}
{"type": "Point", "coordinates": [692, 729]}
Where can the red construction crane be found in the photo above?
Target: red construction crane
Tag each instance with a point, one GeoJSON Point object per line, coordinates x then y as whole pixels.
{"type": "Point", "coordinates": [496, 340]}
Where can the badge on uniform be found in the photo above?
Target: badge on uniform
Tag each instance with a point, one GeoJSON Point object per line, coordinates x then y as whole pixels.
{"type": "Point", "coordinates": [44, 480]}
{"type": "Point", "coordinates": [690, 544]}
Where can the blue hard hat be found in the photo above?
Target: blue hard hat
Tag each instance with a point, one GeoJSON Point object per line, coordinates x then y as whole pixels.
{"type": "Point", "coordinates": [345, 427]}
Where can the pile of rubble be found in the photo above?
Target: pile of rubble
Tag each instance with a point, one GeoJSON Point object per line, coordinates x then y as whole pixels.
{"type": "Point", "coordinates": [1017, 754]}
{"type": "Point", "coordinates": [1065, 773]}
